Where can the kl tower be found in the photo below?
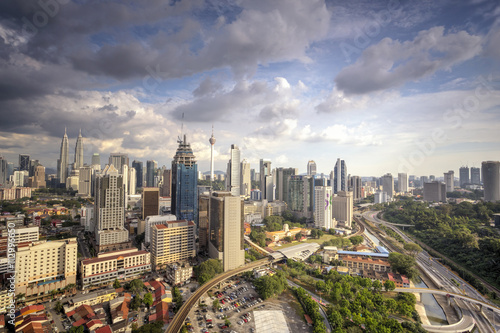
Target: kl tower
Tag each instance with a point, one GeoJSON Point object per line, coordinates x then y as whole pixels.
{"type": "Point", "coordinates": [212, 143]}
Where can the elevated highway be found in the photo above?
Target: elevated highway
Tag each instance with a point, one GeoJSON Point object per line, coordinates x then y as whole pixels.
{"type": "Point", "coordinates": [176, 324]}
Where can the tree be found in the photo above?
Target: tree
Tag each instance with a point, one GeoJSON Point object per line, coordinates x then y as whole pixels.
{"type": "Point", "coordinates": [356, 240]}
{"type": "Point", "coordinates": [136, 302]}
{"type": "Point", "coordinates": [76, 329]}
{"type": "Point", "coordinates": [314, 233]}
{"type": "Point", "coordinates": [403, 264]}
{"type": "Point", "coordinates": [319, 233]}
{"type": "Point", "coordinates": [298, 236]}
{"type": "Point", "coordinates": [288, 239]}
{"type": "Point", "coordinates": [58, 307]}
{"type": "Point", "coordinates": [216, 304]}
{"type": "Point", "coordinates": [136, 286]}
{"type": "Point", "coordinates": [389, 285]}
{"type": "Point", "coordinates": [116, 284]}
{"type": "Point", "coordinates": [207, 270]}
{"type": "Point", "coordinates": [413, 249]}
{"type": "Point", "coordinates": [148, 299]}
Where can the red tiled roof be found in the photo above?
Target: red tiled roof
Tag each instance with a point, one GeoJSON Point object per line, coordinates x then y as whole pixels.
{"type": "Point", "coordinates": [104, 329]}
{"type": "Point", "coordinates": [92, 323]}
{"type": "Point", "coordinates": [79, 322]}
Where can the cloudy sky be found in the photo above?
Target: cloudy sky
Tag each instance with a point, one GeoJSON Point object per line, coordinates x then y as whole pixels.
{"type": "Point", "coordinates": [388, 86]}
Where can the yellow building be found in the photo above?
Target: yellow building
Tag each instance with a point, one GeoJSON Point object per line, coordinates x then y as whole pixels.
{"type": "Point", "coordinates": [279, 235]}
{"type": "Point", "coordinates": [43, 266]}
{"type": "Point", "coordinates": [91, 299]}
{"type": "Point", "coordinates": [108, 266]}
{"type": "Point", "coordinates": [5, 300]}
{"type": "Point", "coordinates": [172, 242]}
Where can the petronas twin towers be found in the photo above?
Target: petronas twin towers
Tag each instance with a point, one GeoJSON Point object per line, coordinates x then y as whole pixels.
{"type": "Point", "coordinates": [62, 162]}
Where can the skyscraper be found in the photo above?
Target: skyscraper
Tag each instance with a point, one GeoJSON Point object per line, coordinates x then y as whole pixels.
{"type": "Point", "coordinates": [85, 181]}
{"type": "Point", "coordinates": [491, 180]}
{"type": "Point", "coordinates": [172, 241]}
{"type": "Point", "coordinates": [435, 191]}
{"type": "Point", "coordinates": [96, 161]}
{"type": "Point", "coordinates": [265, 170]}
{"type": "Point", "coordinates": [355, 187]}
{"type": "Point", "coordinates": [109, 212]}
{"type": "Point", "coordinates": [475, 176]}
{"type": "Point", "coordinates": [4, 171]}
{"type": "Point", "coordinates": [137, 165]}
{"type": "Point", "coordinates": [388, 184]}
{"type": "Point", "coordinates": [226, 241]}
{"type": "Point", "coordinates": [132, 180]}
{"type": "Point", "coordinates": [118, 160]}
{"type": "Point", "coordinates": [150, 201]}
{"type": "Point", "coordinates": [151, 167]}
{"type": "Point", "coordinates": [282, 182]}
{"type": "Point", "coordinates": [184, 183]}
{"type": "Point", "coordinates": [311, 168]}
{"type": "Point", "coordinates": [62, 165]}
{"type": "Point", "coordinates": [323, 207]}
{"type": "Point", "coordinates": [464, 176]}
{"type": "Point", "coordinates": [402, 182]}
{"type": "Point", "coordinates": [39, 177]}
{"type": "Point", "coordinates": [301, 196]}
{"type": "Point", "coordinates": [24, 162]}
{"type": "Point", "coordinates": [212, 143]}
{"type": "Point", "coordinates": [449, 180]}
{"type": "Point", "coordinates": [245, 181]}
{"type": "Point", "coordinates": [78, 152]}
{"type": "Point", "coordinates": [166, 187]}
{"type": "Point", "coordinates": [340, 176]}
{"type": "Point", "coordinates": [233, 172]}
{"type": "Point", "coordinates": [343, 207]}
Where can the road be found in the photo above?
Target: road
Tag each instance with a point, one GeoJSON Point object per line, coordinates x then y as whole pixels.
{"type": "Point", "coordinates": [316, 298]}
{"type": "Point", "coordinates": [176, 324]}
{"type": "Point", "coordinates": [487, 321]}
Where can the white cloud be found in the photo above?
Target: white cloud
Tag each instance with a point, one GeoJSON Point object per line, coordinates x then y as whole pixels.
{"type": "Point", "coordinates": [391, 63]}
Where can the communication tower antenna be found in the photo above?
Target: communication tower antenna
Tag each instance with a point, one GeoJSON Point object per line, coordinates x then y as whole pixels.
{"type": "Point", "coordinates": [179, 138]}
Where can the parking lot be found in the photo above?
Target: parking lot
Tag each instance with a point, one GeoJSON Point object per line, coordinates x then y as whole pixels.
{"type": "Point", "coordinates": [239, 304]}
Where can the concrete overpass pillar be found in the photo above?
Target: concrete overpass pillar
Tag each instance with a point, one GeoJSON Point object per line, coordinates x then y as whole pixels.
{"type": "Point", "coordinates": [449, 300]}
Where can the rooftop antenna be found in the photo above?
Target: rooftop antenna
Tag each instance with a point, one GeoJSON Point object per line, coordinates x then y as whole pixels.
{"type": "Point", "coordinates": [179, 138]}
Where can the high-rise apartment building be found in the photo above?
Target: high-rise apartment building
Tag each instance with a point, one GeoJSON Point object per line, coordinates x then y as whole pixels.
{"type": "Point", "coordinates": [43, 266]}
{"type": "Point", "coordinates": [343, 204]}
{"type": "Point", "coordinates": [172, 242]}
{"type": "Point", "coordinates": [449, 180]}
{"type": "Point", "coordinates": [137, 165]}
{"type": "Point", "coordinates": [62, 162]}
{"type": "Point", "coordinates": [435, 191]}
{"type": "Point", "coordinates": [464, 176]}
{"type": "Point", "coordinates": [245, 180]}
{"type": "Point", "coordinates": [109, 212]}
{"type": "Point", "coordinates": [203, 222]}
{"type": "Point", "coordinates": [153, 220]}
{"type": "Point", "coordinates": [388, 184]}
{"type": "Point", "coordinates": [78, 163]}
{"type": "Point", "coordinates": [151, 167]}
{"type": "Point", "coordinates": [311, 168]}
{"type": "Point", "coordinates": [265, 170]}
{"type": "Point", "coordinates": [270, 188]}
{"type": "Point", "coordinates": [233, 172]}
{"type": "Point", "coordinates": [24, 162]}
{"type": "Point", "coordinates": [323, 207]}
{"type": "Point", "coordinates": [185, 183]}
{"type": "Point", "coordinates": [85, 181]}
{"type": "Point", "coordinates": [339, 176]}
{"type": "Point", "coordinates": [39, 177]}
{"type": "Point", "coordinates": [282, 182]}
{"type": "Point", "coordinates": [301, 196]}
{"type": "Point", "coordinates": [166, 187]}
{"type": "Point", "coordinates": [402, 182]}
{"type": "Point", "coordinates": [226, 232]}
{"type": "Point", "coordinates": [33, 165]}
{"type": "Point", "coordinates": [150, 201]}
{"type": "Point", "coordinates": [475, 176]}
{"type": "Point", "coordinates": [491, 180]}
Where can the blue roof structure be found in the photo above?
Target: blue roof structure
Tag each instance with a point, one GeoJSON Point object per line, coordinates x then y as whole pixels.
{"type": "Point", "coordinates": [371, 254]}
{"type": "Point", "coordinates": [381, 249]}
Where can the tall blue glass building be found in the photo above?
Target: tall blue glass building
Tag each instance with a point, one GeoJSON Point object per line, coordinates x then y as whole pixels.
{"type": "Point", "coordinates": [185, 183]}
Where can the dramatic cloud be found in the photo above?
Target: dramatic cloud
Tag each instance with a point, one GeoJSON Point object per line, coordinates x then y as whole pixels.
{"type": "Point", "coordinates": [391, 63]}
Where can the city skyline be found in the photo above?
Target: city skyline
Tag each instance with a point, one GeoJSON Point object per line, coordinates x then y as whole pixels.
{"type": "Point", "coordinates": [408, 87]}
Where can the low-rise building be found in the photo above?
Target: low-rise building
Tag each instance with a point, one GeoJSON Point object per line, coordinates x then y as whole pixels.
{"type": "Point", "coordinates": [178, 274]}
{"type": "Point", "coordinates": [358, 261]}
{"type": "Point", "coordinates": [122, 265]}
{"type": "Point", "coordinates": [94, 298]}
